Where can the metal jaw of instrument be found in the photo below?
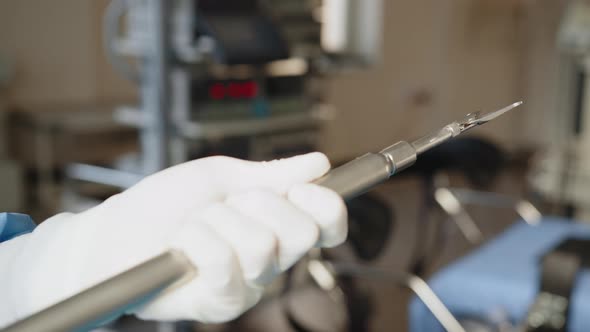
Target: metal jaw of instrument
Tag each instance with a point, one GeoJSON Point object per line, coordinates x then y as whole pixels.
{"type": "Point", "coordinates": [403, 154]}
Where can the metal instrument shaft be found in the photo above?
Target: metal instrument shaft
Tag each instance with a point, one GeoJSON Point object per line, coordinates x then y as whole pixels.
{"type": "Point", "coordinates": [363, 173]}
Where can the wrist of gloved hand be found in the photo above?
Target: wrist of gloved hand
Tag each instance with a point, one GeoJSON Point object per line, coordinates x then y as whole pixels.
{"type": "Point", "coordinates": [240, 223]}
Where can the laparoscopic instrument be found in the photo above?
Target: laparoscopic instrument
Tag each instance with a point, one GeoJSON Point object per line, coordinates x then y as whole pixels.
{"type": "Point", "coordinates": [114, 295]}
{"type": "Point", "coordinates": [363, 173]}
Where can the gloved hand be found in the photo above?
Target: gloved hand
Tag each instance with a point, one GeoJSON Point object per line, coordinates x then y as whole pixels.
{"type": "Point", "coordinates": [241, 224]}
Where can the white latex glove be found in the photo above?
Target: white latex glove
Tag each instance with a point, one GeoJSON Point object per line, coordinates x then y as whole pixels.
{"type": "Point", "coordinates": [241, 223]}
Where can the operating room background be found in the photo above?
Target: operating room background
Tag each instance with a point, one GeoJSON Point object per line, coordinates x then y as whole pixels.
{"type": "Point", "coordinates": [439, 61]}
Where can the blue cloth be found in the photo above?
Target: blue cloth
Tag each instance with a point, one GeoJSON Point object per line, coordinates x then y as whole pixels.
{"type": "Point", "coordinates": [14, 224]}
{"type": "Point", "coordinates": [504, 275]}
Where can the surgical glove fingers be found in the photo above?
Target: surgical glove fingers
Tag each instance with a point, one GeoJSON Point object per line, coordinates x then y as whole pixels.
{"type": "Point", "coordinates": [254, 243]}
{"type": "Point", "coordinates": [216, 293]}
{"type": "Point", "coordinates": [277, 175]}
{"type": "Point", "coordinates": [295, 230]}
{"type": "Point", "coordinates": [328, 210]}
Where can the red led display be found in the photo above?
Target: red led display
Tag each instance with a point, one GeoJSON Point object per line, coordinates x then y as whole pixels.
{"type": "Point", "coordinates": [233, 90]}
{"type": "Point", "coordinates": [250, 89]}
{"type": "Point", "coordinates": [217, 91]}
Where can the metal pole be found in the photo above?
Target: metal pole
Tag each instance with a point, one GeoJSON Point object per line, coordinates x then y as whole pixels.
{"type": "Point", "coordinates": [155, 89]}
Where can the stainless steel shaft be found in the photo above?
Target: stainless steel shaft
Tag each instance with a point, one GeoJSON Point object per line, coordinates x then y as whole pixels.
{"type": "Point", "coordinates": [363, 173]}
{"type": "Point", "coordinates": [98, 303]}
{"type": "Point", "coordinates": [433, 139]}
{"type": "Point", "coordinates": [357, 176]}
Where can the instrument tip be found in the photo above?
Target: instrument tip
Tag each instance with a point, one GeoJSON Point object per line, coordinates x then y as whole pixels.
{"type": "Point", "coordinates": [472, 120]}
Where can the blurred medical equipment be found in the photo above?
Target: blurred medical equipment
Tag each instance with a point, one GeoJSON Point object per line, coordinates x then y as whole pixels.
{"type": "Point", "coordinates": [334, 277]}
{"type": "Point", "coordinates": [349, 180]}
{"type": "Point", "coordinates": [239, 78]}
{"type": "Point", "coordinates": [46, 140]}
{"type": "Point", "coordinates": [434, 169]}
{"type": "Point", "coordinates": [371, 224]}
{"type": "Point", "coordinates": [530, 278]}
{"type": "Point", "coordinates": [561, 173]}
